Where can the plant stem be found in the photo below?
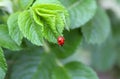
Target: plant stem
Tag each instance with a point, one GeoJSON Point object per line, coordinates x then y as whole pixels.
{"type": "Point", "coordinates": [46, 47]}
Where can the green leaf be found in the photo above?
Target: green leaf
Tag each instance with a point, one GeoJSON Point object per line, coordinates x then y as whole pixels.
{"type": "Point", "coordinates": [118, 1]}
{"type": "Point", "coordinates": [60, 73]}
{"type": "Point", "coordinates": [5, 39]}
{"type": "Point", "coordinates": [98, 29]}
{"type": "Point", "coordinates": [37, 66]}
{"type": "Point", "coordinates": [115, 21]}
{"type": "Point", "coordinates": [25, 4]}
{"type": "Point", "coordinates": [46, 66]}
{"type": "Point", "coordinates": [26, 70]}
{"type": "Point", "coordinates": [70, 45]}
{"type": "Point", "coordinates": [46, 2]}
{"type": "Point", "coordinates": [13, 28]}
{"type": "Point", "coordinates": [74, 70]}
{"type": "Point", "coordinates": [81, 11]}
{"type": "Point", "coordinates": [29, 28]}
{"type": "Point", "coordinates": [104, 55]}
{"type": "Point", "coordinates": [78, 70]}
{"type": "Point", "coordinates": [3, 65]}
{"type": "Point", "coordinates": [51, 16]}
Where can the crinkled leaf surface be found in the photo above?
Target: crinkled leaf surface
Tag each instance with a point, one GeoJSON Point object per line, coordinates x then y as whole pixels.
{"type": "Point", "coordinates": [29, 28]}
{"type": "Point", "coordinates": [13, 28]}
{"type": "Point", "coordinates": [45, 19]}
{"type": "Point", "coordinates": [51, 16]}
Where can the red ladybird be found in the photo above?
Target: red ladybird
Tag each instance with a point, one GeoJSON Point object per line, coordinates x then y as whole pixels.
{"type": "Point", "coordinates": [61, 40]}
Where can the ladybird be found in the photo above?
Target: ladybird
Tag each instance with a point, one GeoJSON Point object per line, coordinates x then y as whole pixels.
{"type": "Point", "coordinates": [61, 40]}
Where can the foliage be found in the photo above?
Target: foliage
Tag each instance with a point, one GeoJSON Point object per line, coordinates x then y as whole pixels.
{"type": "Point", "coordinates": [28, 36]}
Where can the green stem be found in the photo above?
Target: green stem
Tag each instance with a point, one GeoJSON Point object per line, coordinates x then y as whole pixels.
{"type": "Point", "coordinates": [46, 47]}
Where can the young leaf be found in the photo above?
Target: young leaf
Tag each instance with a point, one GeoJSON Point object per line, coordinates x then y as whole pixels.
{"type": "Point", "coordinates": [29, 28]}
{"type": "Point", "coordinates": [78, 70]}
{"type": "Point", "coordinates": [71, 44]}
{"type": "Point", "coordinates": [25, 4]}
{"type": "Point", "coordinates": [3, 65]}
{"type": "Point", "coordinates": [81, 11]}
{"type": "Point", "coordinates": [5, 39]}
{"type": "Point", "coordinates": [52, 16]}
{"type": "Point", "coordinates": [98, 29]}
{"type": "Point", "coordinates": [13, 28]}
